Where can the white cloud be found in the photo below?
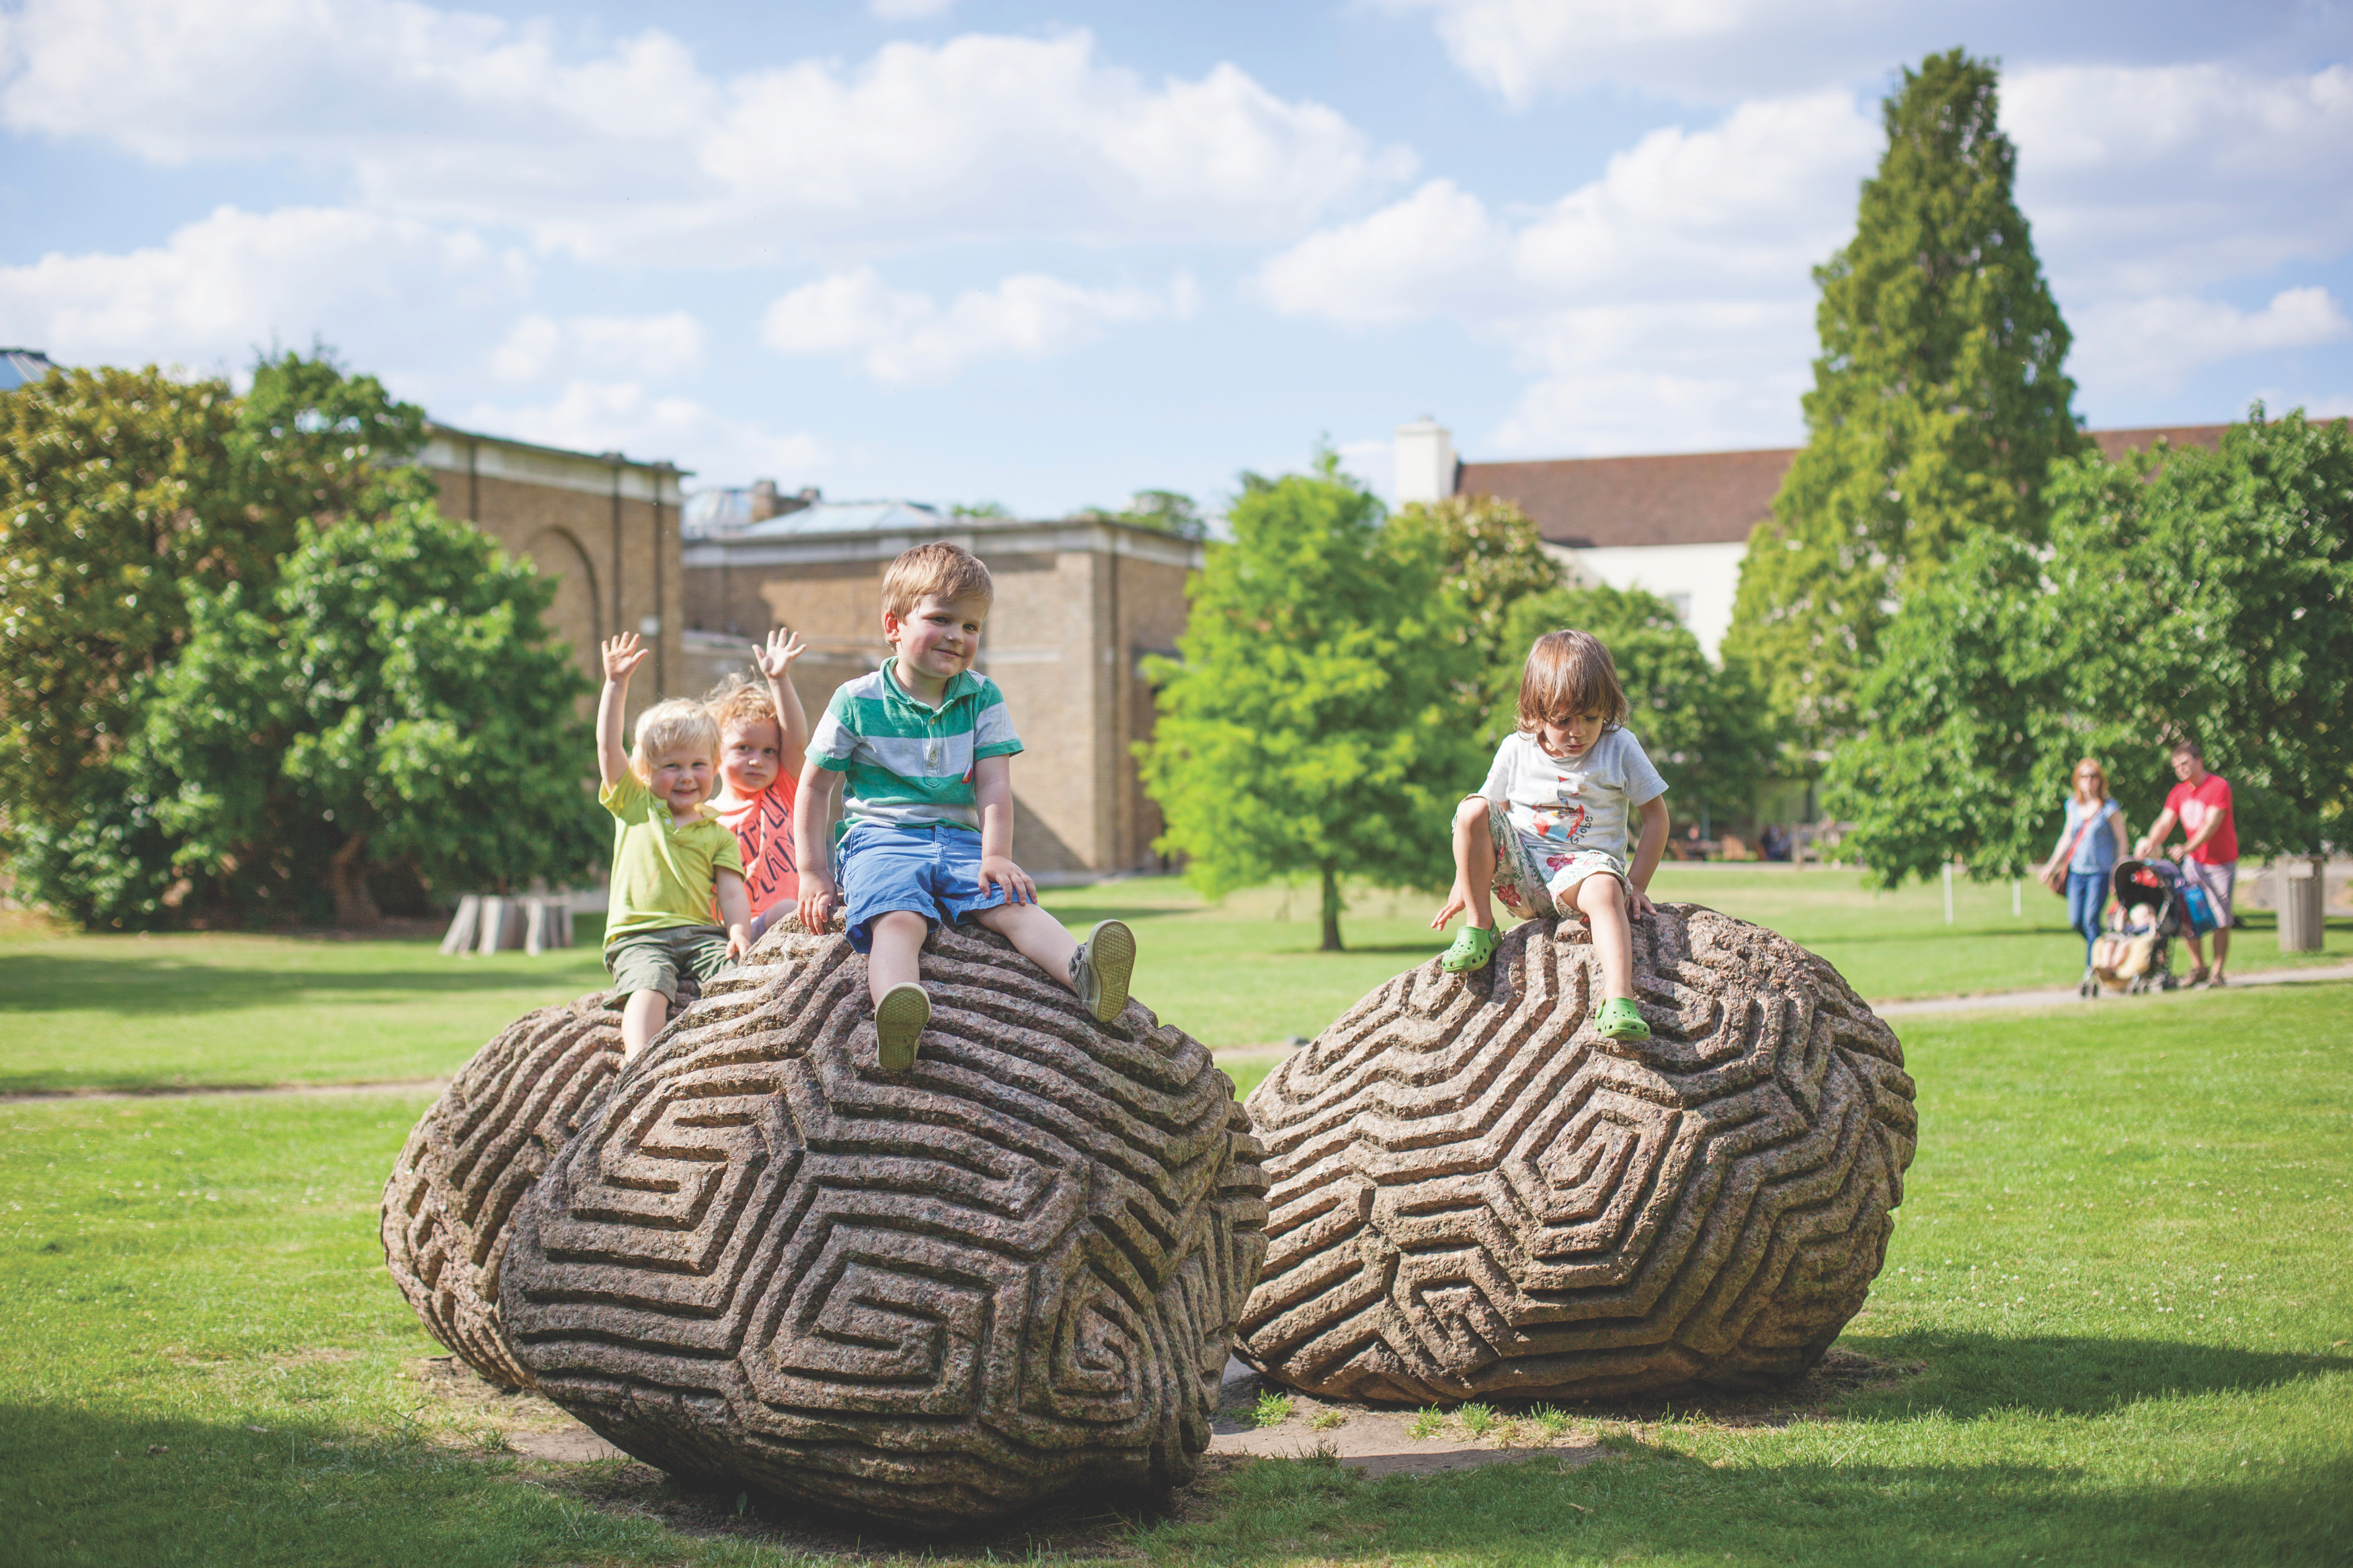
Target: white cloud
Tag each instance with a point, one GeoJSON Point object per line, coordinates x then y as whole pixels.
{"type": "Point", "coordinates": [393, 294]}
{"type": "Point", "coordinates": [908, 10]}
{"type": "Point", "coordinates": [658, 346]}
{"type": "Point", "coordinates": [1665, 304]}
{"type": "Point", "coordinates": [1435, 250]}
{"type": "Point", "coordinates": [899, 336]}
{"type": "Point", "coordinates": [2130, 344]}
{"type": "Point", "coordinates": [624, 417]}
{"type": "Point", "coordinates": [638, 152]}
{"type": "Point", "coordinates": [2160, 179]}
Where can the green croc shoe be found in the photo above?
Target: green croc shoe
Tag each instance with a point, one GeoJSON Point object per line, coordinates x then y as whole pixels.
{"type": "Point", "coordinates": [1619, 1019]}
{"type": "Point", "coordinates": [899, 1020]}
{"type": "Point", "coordinates": [1474, 948]}
{"type": "Point", "coordinates": [1101, 968]}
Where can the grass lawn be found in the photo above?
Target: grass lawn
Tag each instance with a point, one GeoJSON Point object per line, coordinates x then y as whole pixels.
{"type": "Point", "coordinates": [2116, 1318]}
{"type": "Point", "coordinates": [130, 1012]}
{"type": "Point", "coordinates": [135, 1011]}
{"type": "Point", "coordinates": [1246, 972]}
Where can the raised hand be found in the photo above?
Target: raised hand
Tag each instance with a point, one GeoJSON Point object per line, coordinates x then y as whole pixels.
{"type": "Point", "coordinates": [622, 655]}
{"type": "Point", "coordinates": [776, 657]}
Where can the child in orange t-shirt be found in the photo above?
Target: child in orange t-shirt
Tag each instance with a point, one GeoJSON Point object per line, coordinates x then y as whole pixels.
{"type": "Point", "coordinates": [763, 739]}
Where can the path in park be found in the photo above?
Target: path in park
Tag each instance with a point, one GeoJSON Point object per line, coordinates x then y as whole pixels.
{"type": "Point", "coordinates": [1990, 999]}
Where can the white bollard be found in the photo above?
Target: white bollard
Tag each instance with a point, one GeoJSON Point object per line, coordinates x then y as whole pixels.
{"type": "Point", "coordinates": [2017, 898]}
{"type": "Point", "coordinates": [463, 927]}
{"type": "Point", "coordinates": [1948, 893]}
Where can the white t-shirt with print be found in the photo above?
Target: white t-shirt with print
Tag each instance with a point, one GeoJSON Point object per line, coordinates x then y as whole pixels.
{"type": "Point", "coordinates": [1566, 804]}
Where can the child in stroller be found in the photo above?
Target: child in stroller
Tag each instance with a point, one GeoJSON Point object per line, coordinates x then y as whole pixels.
{"type": "Point", "coordinates": [2150, 910]}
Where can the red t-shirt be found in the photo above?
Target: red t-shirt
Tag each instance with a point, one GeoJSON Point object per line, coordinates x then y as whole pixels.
{"type": "Point", "coordinates": [763, 826]}
{"type": "Point", "coordinates": [2193, 806]}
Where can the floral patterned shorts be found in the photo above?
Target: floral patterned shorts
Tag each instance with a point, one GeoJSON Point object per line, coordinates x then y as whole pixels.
{"type": "Point", "coordinates": [1534, 883]}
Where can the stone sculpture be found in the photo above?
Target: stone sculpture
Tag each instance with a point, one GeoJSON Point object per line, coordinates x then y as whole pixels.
{"type": "Point", "coordinates": [935, 1298]}
{"type": "Point", "coordinates": [1474, 1195]}
{"type": "Point", "coordinates": [473, 1158]}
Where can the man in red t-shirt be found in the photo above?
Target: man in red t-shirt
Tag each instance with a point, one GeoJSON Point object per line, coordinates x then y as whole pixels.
{"type": "Point", "coordinates": [2201, 804]}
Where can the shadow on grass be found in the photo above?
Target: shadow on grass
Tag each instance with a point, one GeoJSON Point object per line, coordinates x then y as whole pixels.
{"type": "Point", "coordinates": [138, 984]}
{"type": "Point", "coordinates": [1971, 1376]}
{"type": "Point", "coordinates": [1651, 1504]}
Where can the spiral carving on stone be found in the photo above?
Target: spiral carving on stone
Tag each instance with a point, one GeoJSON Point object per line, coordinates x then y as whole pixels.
{"type": "Point", "coordinates": [472, 1157]}
{"type": "Point", "coordinates": [935, 1297]}
{"type": "Point", "coordinates": [1474, 1195]}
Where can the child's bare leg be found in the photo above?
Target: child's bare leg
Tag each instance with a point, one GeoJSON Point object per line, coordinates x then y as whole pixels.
{"type": "Point", "coordinates": [896, 956]}
{"type": "Point", "coordinates": [642, 1017]}
{"type": "Point", "coordinates": [1035, 935]}
{"type": "Point", "coordinates": [1474, 869]}
{"type": "Point", "coordinates": [1603, 902]}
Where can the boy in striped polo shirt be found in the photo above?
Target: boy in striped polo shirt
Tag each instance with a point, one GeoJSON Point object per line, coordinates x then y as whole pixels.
{"type": "Point", "coordinates": [924, 747]}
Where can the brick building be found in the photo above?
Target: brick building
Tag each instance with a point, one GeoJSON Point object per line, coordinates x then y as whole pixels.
{"type": "Point", "coordinates": [606, 527]}
{"type": "Point", "coordinates": [1080, 604]}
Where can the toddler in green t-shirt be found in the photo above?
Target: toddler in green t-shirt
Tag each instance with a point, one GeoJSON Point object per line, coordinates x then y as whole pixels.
{"type": "Point", "coordinates": [671, 853]}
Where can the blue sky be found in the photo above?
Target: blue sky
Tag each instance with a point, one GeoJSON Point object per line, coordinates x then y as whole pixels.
{"type": "Point", "coordinates": [958, 250]}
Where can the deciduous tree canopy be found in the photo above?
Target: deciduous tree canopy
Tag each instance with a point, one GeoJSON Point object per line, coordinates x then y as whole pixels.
{"type": "Point", "coordinates": [2189, 593]}
{"type": "Point", "coordinates": [392, 701]}
{"type": "Point", "coordinates": [120, 491]}
{"type": "Point", "coordinates": [1314, 723]}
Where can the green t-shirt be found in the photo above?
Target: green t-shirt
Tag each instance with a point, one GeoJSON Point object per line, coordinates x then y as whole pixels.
{"type": "Point", "coordinates": [664, 872]}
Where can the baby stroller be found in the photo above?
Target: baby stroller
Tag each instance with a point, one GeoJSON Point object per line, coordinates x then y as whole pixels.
{"type": "Point", "coordinates": [2136, 955]}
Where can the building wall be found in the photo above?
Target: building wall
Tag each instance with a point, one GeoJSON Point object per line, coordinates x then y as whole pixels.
{"type": "Point", "coordinates": [1079, 606]}
{"type": "Point", "coordinates": [606, 530]}
{"type": "Point", "coordinates": [1700, 580]}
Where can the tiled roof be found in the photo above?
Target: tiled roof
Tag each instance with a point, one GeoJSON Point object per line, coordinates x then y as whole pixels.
{"type": "Point", "coordinates": [1689, 498]}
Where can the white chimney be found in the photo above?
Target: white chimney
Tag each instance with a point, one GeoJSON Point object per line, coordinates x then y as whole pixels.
{"type": "Point", "coordinates": [1425, 461]}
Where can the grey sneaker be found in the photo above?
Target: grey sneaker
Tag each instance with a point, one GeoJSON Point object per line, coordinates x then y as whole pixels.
{"type": "Point", "coordinates": [1099, 969]}
{"type": "Point", "coordinates": [899, 1020]}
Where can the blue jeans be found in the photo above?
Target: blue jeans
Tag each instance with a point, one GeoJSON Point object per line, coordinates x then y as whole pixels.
{"type": "Point", "coordinates": [2087, 895]}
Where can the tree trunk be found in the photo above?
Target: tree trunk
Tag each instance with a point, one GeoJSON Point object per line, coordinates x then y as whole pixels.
{"type": "Point", "coordinates": [1331, 909]}
{"type": "Point", "coordinates": [347, 881]}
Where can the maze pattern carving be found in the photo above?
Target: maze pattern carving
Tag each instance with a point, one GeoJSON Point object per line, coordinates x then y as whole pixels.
{"type": "Point", "coordinates": [936, 1297]}
{"type": "Point", "coordinates": [473, 1158]}
{"type": "Point", "coordinates": [1474, 1195]}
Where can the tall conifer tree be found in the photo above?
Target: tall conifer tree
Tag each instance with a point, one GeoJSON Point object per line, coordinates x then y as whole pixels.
{"type": "Point", "coordinates": [1939, 402]}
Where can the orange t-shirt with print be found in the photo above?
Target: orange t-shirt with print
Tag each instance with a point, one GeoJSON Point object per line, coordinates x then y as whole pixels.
{"type": "Point", "coordinates": [762, 825]}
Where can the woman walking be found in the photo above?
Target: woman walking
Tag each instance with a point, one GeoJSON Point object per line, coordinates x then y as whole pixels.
{"type": "Point", "coordinates": [2089, 847]}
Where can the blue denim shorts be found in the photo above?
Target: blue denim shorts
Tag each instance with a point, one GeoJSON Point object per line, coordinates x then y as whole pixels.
{"type": "Point", "coordinates": [932, 871]}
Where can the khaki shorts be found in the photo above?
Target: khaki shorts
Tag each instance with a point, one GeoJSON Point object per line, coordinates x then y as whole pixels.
{"type": "Point", "coordinates": [2218, 882]}
{"type": "Point", "coordinates": [1536, 886]}
{"type": "Point", "coordinates": [653, 960]}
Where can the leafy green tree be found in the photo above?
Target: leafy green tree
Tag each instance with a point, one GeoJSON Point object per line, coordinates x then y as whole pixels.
{"type": "Point", "coordinates": [1313, 721]}
{"type": "Point", "coordinates": [1701, 726]}
{"type": "Point", "coordinates": [1495, 560]}
{"type": "Point", "coordinates": [1937, 408]}
{"type": "Point", "coordinates": [2189, 592]}
{"type": "Point", "coordinates": [1169, 511]}
{"type": "Point", "coordinates": [392, 701]}
{"type": "Point", "coordinates": [119, 491]}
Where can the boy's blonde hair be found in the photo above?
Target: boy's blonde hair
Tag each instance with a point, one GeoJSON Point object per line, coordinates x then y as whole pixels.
{"type": "Point", "coordinates": [738, 702]}
{"type": "Point", "coordinates": [1571, 672]}
{"type": "Point", "coordinates": [940, 570]}
{"type": "Point", "coordinates": [668, 725]}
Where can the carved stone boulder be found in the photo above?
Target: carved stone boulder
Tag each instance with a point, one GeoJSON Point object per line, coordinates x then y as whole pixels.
{"type": "Point", "coordinates": [935, 1298]}
{"type": "Point", "coordinates": [473, 1156]}
{"type": "Point", "coordinates": [1475, 1196]}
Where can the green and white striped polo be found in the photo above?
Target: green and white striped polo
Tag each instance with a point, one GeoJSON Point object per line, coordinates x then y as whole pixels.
{"type": "Point", "coordinates": [910, 765]}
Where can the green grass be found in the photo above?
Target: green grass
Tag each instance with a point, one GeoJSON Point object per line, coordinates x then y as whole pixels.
{"type": "Point", "coordinates": [141, 1011]}
{"type": "Point", "coordinates": [1246, 972]}
{"type": "Point", "coordinates": [122, 1012]}
{"type": "Point", "coordinates": [2115, 1320]}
